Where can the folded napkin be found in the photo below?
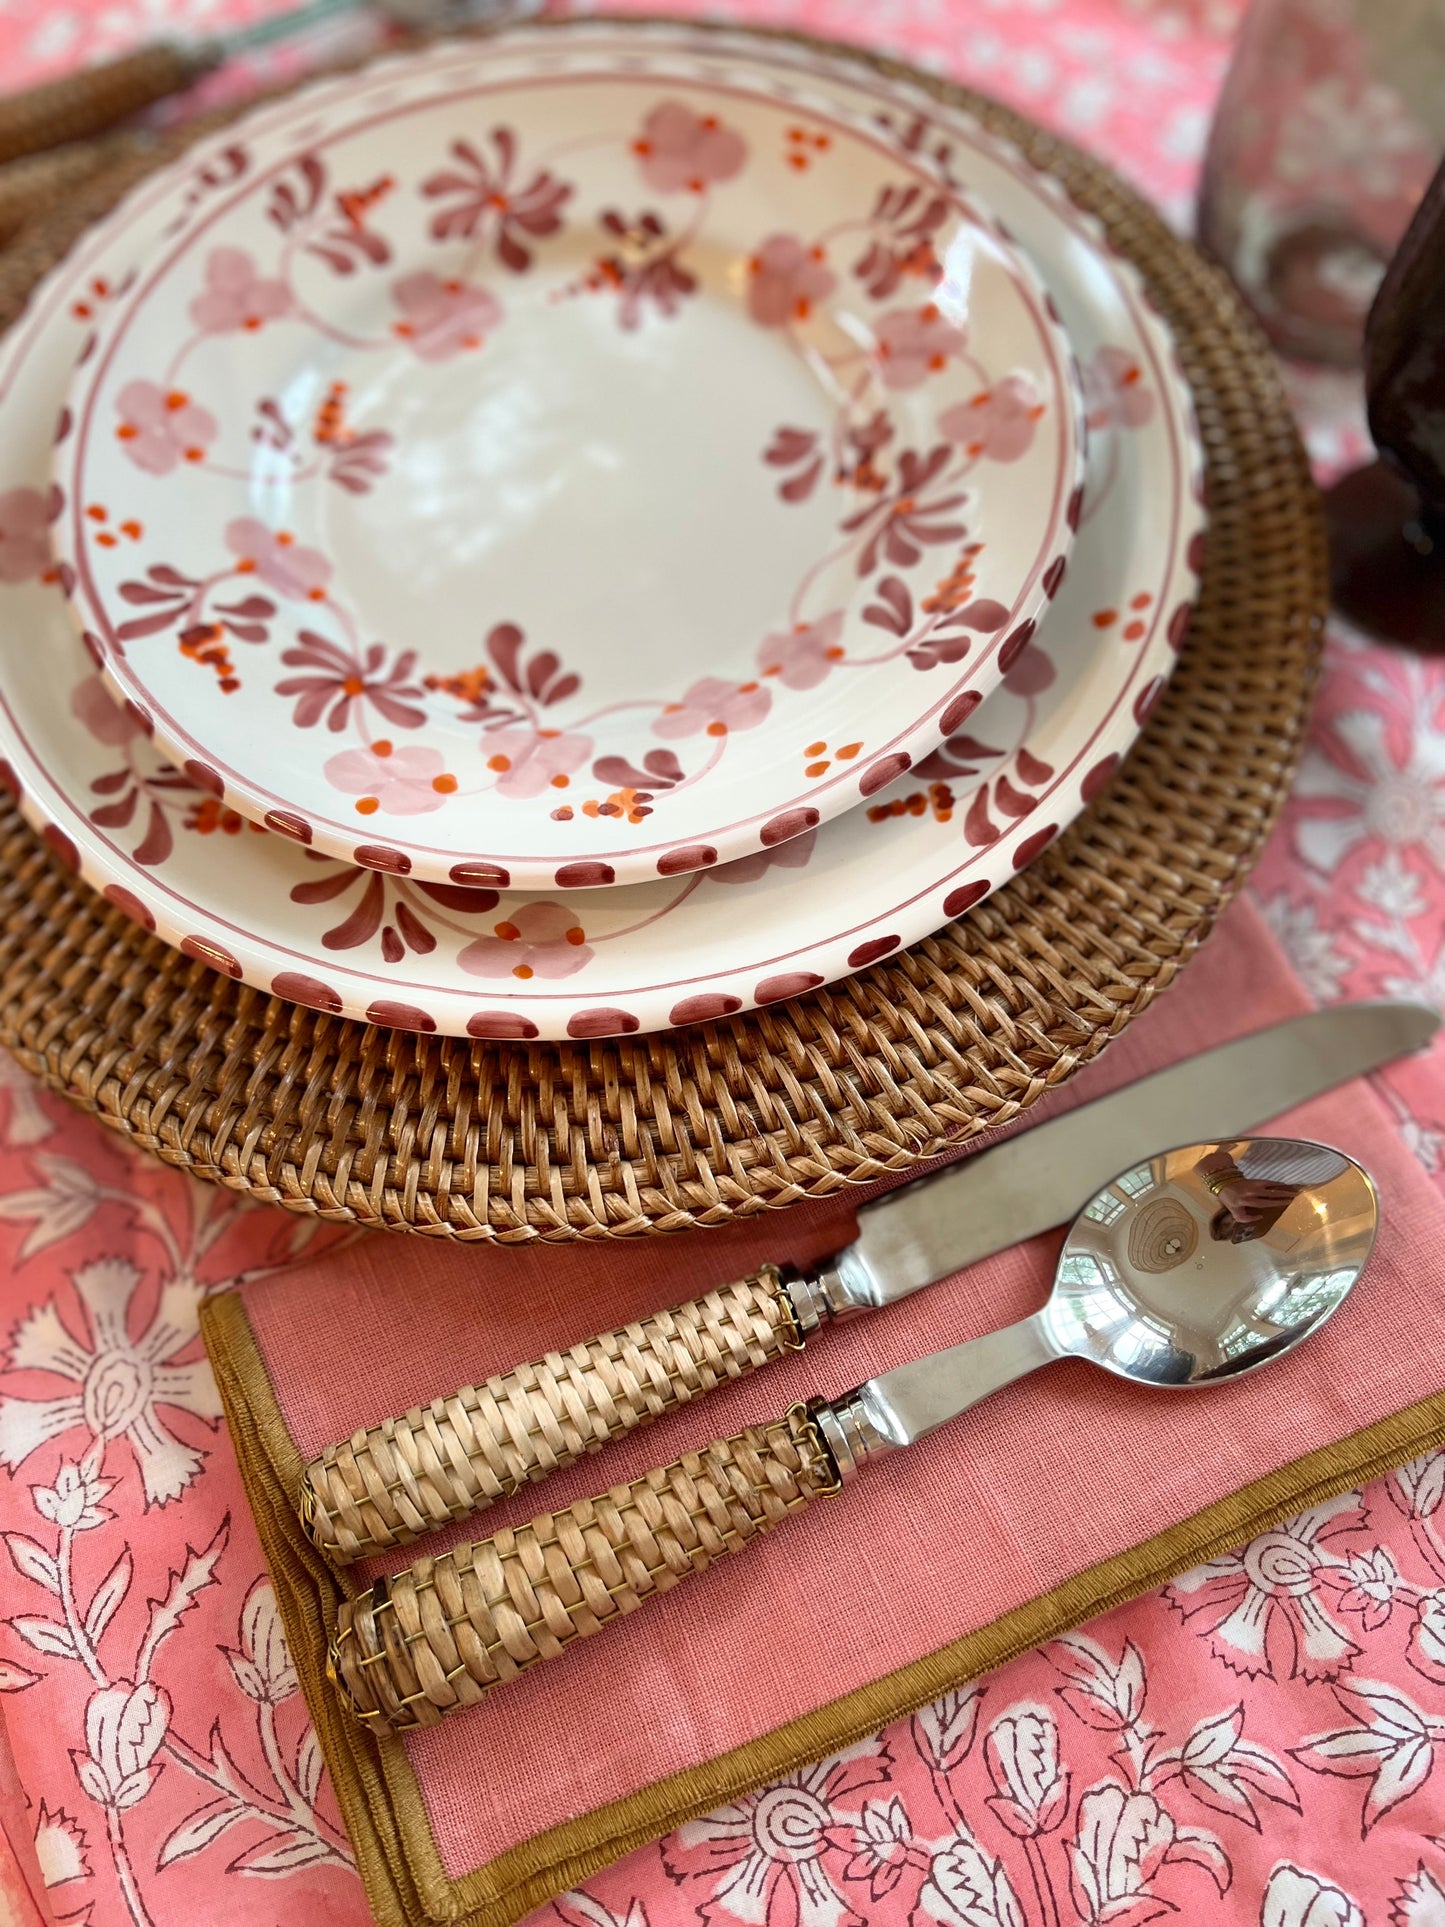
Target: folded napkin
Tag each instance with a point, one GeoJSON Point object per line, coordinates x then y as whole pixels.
{"type": "Point", "coordinates": [1051, 1503]}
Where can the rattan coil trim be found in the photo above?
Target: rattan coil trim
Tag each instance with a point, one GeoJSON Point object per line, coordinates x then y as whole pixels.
{"type": "Point", "coordinates": [457, 1139]}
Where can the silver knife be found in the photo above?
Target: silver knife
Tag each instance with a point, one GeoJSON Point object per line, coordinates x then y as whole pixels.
{"type": "Point", "coordinates": [392, 1482]}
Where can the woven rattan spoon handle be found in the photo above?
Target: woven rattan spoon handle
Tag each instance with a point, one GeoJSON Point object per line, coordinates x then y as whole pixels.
{"type": "Point", "coordinates": [443, 1633]}
{"type": "Point", "coordinates": [387, 1485]}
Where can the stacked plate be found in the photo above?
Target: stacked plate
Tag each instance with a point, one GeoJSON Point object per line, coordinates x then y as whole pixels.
{"type": "Point", "coordinates": [583, 532]}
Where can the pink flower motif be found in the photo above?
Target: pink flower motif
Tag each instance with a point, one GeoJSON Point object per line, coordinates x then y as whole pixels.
{"type": "Point", "coordinates": [273, 555]}
{"type": "Point", "coordinates": [24, 534]}
{"type": "Point", "coordinates": [801, 657]}
{"type": "Point", "coordinates": [792, 855]}
{"type": "Point", "coordinates": [715, 707]}
{"type": "Point", "coordinates": [410, 781]}
{"type": "Point", "coordinates": [162, 426]}
{"type": "Point", "coordinates": [539, 940]}
{"type": "Point", "coordinates": [529, 761]}
{"type": "Point", "coordinates": [237, 295]}
{"type": "Point", "coordinates": [999, 423]}
{"type": "Point", "coordinates": [442, 318]}
{"type": "Point", "coordinates": [913, 343]}
{"type": "Point", "coordinates": [1115, 394]}
{"type": "Point", "coordinates": [680, 149]}
{"type": "Point", "coordinates": [108, 721]}
{"type": "Point", "coordinates": [785, 279]}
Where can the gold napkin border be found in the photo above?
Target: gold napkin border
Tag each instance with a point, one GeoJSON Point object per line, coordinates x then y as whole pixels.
{"type": "Point", "coordinates": [375, 1784]}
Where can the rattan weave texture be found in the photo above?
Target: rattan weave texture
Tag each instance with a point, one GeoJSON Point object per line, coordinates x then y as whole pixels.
{"type": "Point", "coordinates": [460, 1139]}
{"type": "Point", "coordinates": [443, 1633]}
{"type": "Point", "coordinates": [405, 1477]}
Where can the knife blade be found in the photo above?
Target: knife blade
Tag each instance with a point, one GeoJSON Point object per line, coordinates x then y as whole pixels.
{"type": "Point", "coordinates": [1011, 1190]}
{"type": "Point", "coordinates": [394, 1481]}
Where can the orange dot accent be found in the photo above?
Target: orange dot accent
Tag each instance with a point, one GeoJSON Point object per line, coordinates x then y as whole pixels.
{"type": "Point", "coordinates": [353, 686]}
{"type": "Point", "coordinates": [802, 308]}
{"type": "Point", "coordinates": [284, 538]}
{"type": "Point", "coordinates": [817, 769]}
{"type": "Point", "coordinates": [549, 734]}
{"type": "Point", "coordinates": [81, 311]}
{"type": "Point", "coordinates": [368, 805]}
{"type": "Point", "coordinates": [696, 186]}
{"type": "Point", "coordinates": [848, 751]}
{"type": "Point", "coordinates": [195, 454]}
{"type": "Point", "coordinates": [836, 653]}
{"type": "Point", "coordinates": [717, 729]}
{"type": "Point", "coordinates": [508, 932]}
{"type": "Point", "coordinates": [1105, 618]}
{"type": "Point", "coordinates": [245, 565]}
{"type": "Point", "coordinates": [126, 432]}
{"type": "Point", "coordinates": [642, 147]}
{"type": "Point", "coordinates": [561, 782]}
{"type": "Point", "coordinates": [251, 323]}
{"type": "Point", "coordinates": [106, 541]}
{"type": "Point", "coordinates": [747, 688]}
{"type": "Point", "coordinates": [929, 311]}
{"type": "Point", "coordinates": [381, 747]}
{"type": "Point", "coordinates": [96, 512]}
{"type": "Point", "coordinates": [773, 669]}
{"type": "Point", "coordinates": [444, 785]}
{"type": "Point", "coordinates": [523, 971]}
{"type": "Point", "coordinates": [815, 749]}
{"type": "Point", "coordinates": [1141, 601]}
{"type": "Point", "coordinates": [315, 595]}
{"type": "Point", "coordinates": [177, 398]}
{"type": "Point", "coordinates": [1133, 631]}
{"type": "Point", "coordinates": [576, 935]}
{"type": "Point", "coordinates": [132, 529]}
{"type": "Point", "coordinates": [799, 161]}
{"type": "Point", "coordinates": [499, 762]}
{"type": "Point", "coordinates": [709, 121]}
{"type": "Point", "coordinates": [404, 329]}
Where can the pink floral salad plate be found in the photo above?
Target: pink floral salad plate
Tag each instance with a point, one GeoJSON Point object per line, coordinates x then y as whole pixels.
{"type": "Point", "coordinates": [584, 474]}
{"type": "Point", "coordinates": [471, 960]}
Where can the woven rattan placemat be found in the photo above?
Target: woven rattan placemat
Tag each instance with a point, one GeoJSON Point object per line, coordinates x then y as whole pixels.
{"type": "Point", "coordinates": [456, 1138]}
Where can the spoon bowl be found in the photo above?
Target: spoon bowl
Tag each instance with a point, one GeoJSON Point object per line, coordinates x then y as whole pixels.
{"type": "Point", "coordinates": [1203, 1263]}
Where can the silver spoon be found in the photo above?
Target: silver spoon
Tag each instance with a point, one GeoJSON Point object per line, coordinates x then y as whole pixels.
{"type": "Point", "coordinates": [1201, 1264]}
{"type": "Point", "coordinates": [1191, 1268]}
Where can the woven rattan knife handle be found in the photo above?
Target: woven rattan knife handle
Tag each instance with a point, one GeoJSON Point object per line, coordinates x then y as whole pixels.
{"type": "Point", "coordinates": [444, 1632]}
{"type": "Point", "coordinates": [409, 1475]}
{"type": "Point", "coordinates": [79, 105]}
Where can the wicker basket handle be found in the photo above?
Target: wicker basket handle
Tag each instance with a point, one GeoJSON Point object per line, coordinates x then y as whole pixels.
{"type": "Point", "coordinates": [387, 1485]}
{"type": "Point", "coordinates": [76, 106]}
{"type": "Point", "coordinates": [444, 1632]}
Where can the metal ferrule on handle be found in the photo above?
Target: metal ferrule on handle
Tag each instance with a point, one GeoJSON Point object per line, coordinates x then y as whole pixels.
{"type": "Point", "coordinates": [390, 1483]}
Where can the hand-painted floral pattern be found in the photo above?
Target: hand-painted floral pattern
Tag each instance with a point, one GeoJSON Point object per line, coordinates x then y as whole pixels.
{"type": "Point", "coordinates": [714, 708]}
{"type": "Point", "coordinates": [442, 318]}
{"type": "Point", "coordinates": [785, 278]}
{"type": "Point", "coordinates": [407, 779]}
{"type": "Point", "coordinates": [24, 534]}
{"type": "Point", "coordinates": [679, 149]}
{"type": "Point", "coordinates": [901, 466]}
{"type": "Point", "coordinates": [160, 427]}
{"type": "Point", "coordinates": [539, 940]}
{"type": "Point", "coordinates": [237, 295]}
{"type": "Point", "coordinates": [998, 423]}
{"type": "Point", "coordinates": [277, 560]}
{"type": "Point", "coordinates": [801, 657]}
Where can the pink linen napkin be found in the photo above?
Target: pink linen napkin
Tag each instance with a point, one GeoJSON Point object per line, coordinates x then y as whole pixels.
{"type": "Point", "coordinates": [1045, 1481]}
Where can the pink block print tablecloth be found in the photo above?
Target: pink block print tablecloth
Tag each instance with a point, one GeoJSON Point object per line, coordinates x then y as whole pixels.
{"type": "Point", "coordinates": [1257, 1743]}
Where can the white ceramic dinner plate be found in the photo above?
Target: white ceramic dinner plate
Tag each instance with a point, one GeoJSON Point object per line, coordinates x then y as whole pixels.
{"type": "Point", "coordinates": [569, 476]}
{"type": "Point", "coordinates": [340, 937]}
